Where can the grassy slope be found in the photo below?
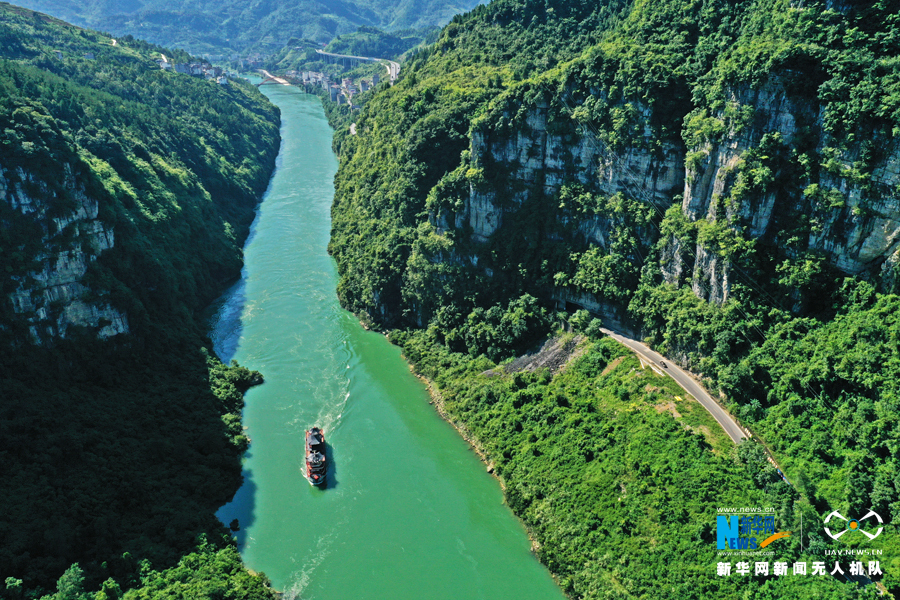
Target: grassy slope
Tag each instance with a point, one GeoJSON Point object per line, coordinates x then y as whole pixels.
{"type": "Point", "coordinates": [614, 474]}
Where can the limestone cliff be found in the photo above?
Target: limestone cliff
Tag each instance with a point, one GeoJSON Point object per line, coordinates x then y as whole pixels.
{"type": "Point", "coordinates": [126, 191]}
{"type": "Point", "coordinates": [544, 154]}
{"type": "Point", "coordinates": [52, 297]}
{"type": "Point", "coordinates": [750, 143]}
{"type": "Point", "coordinates": [842, 210]}
{"type": "Point", "coordinates": [769, 174]}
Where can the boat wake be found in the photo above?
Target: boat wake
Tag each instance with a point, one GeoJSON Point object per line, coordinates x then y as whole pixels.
{"type": "Point", "coordinates": [323, 397]}
{"type": "Point", "coordinates": [330, 416]}
{"type": "Point", "coordinates": [300, 579]}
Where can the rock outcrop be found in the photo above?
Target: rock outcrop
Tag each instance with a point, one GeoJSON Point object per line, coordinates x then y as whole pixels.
{"type": "Point", "coordinates": [857, 229]}
{"type": "Point", "coordinates": [852, 221]}
{"type": "Point", "coordinates": [535, 159]}
{"type": "Point", "coordinates": [52, 297]}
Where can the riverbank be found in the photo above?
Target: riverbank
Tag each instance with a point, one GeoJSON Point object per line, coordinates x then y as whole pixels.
{"type": "Point", "coordinates": [597, 460]}
{"type": "Point", "coordinates": [475, 444]}
{"type": "Point", "coordinates": [437, 400]}
{"type": "Point", "coordinates": [123, 435]}
{"type": "Point", "coordinates": [446, 535]}
{"type": "Point", "coordinates": [554, 355]}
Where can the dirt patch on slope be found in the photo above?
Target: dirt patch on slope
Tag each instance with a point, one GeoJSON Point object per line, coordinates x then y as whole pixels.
{"type": "Point", "coordinates": [615, 363]}
{"type": "Point", "coordinates": [668, 407]}
{"type": "Point", "coordinates": [553, 355]}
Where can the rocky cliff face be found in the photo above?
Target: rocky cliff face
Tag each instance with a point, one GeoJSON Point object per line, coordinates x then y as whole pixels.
{"type": "Point", "coordinates": [746, 178]}
{"type": "Point", "coordinates": [850, 218]}
{"type": "Point", "coordinates": [537, 159]}
{"type": "Point", "coordinates": [52, 297]}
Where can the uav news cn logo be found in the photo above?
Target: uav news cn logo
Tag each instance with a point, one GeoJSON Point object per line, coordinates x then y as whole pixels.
{"type": "Point", "coordinates": [853, 525]}
{"type": "Point", "coordinates": [746, 529]}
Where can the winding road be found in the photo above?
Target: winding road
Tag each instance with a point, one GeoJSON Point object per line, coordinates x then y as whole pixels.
{"type": "Point", "coordinates": [687, 383]}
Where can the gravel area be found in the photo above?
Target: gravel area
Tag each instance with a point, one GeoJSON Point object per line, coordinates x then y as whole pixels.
{"type": "Point", "coordinates": [553, 355]}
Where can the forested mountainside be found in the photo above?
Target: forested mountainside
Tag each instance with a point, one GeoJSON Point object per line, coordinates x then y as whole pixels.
{"type": "Point", "coordinates": [236, 25]}
{"type": "Point", "coordinates": [721, 178]}
{"type": "Point", "coordinates": [365, 41]}
{"type": "Point", "coordinates": [369, 41]}
{"type": "Point", "coordinates": [126, 193]}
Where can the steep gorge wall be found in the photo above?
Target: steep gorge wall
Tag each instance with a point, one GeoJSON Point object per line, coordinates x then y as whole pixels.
{"type": "Point", "coordinates": [540, 156]}
{"type": "Point", "coordinates": [852, 220]}
{"type": "Point", "coordinates": [52, 297]}
{"type": "Point", "coordinates": [737, 142]}
{"type": "Point", "coordinates": [125, 190]}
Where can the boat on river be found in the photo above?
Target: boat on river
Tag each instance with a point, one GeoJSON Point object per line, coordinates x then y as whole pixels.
{"type": "Point", "coordinates": [315, 456]}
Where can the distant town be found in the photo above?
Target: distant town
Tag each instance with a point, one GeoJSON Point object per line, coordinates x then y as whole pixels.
{"type": "Point", "coordinates": [198, 69]}
{"type": "Point", "coordinates": [341, 92]}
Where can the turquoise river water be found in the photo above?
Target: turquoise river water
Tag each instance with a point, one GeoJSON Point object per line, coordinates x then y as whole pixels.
{"type": "Point", "coordinates": [410, 513]}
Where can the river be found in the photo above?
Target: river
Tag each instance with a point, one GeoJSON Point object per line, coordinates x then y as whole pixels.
{"type": "Point", "coordinates": [410, 513]}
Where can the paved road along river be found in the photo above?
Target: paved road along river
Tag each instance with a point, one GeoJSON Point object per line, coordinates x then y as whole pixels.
{"type": "Point", "coordinates": [410, 512]}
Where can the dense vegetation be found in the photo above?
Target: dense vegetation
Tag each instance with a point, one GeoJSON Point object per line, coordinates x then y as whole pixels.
{"type": "Point", "coordinates": [370, 41]}
{"type": "Point", "coordinates": [206, 574]}
{"type": "Point", "coordinates": [117, 453]}
{"type": "Point", "coordinates": [177, 163]}
{"type": "Point", "coordinates": [233, 25]}
{"type": "Point", "coordinates": [615, 474]}
{"type": "Point", "coordinates": [804, 353]}
{"type": "Point", "coordinates": [365, 41]}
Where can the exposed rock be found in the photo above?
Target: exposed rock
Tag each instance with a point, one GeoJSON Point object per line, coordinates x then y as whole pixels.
{"type": "Point", "coordinates": [553, 355]}
{"type": "Point", "coordinates": [858, 234]}
{"type": "Point", "coordinates": [53, 298]}
{"type": "Point", "coordinates": [639, 173]}
{"type": "Point", "coordinates": [611, 314]}
{"type": "Point", "coordinates": [536, 160]}
{"type": "Point", "coordinates": [482, 215]}
{"type": "Point", "coordinates": [857, 237]}
{"type": "Point", "coordinates": [710, 278]}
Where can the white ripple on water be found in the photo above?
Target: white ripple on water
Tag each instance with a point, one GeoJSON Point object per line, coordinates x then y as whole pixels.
{"type": "Point", "coordinates": [330, 413]}
{"type": "Point", "coordinates": [325, 541]}
{"type": "Point", "coordinates": [330, 416]}
{"type": "Point", "coordinates": [324, 393]}
{"type": "Point", "coordinates": [300, 579]}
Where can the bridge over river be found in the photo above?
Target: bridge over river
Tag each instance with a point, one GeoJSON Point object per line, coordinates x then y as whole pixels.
{"type": "Point", "coordinates": [271, 79]}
